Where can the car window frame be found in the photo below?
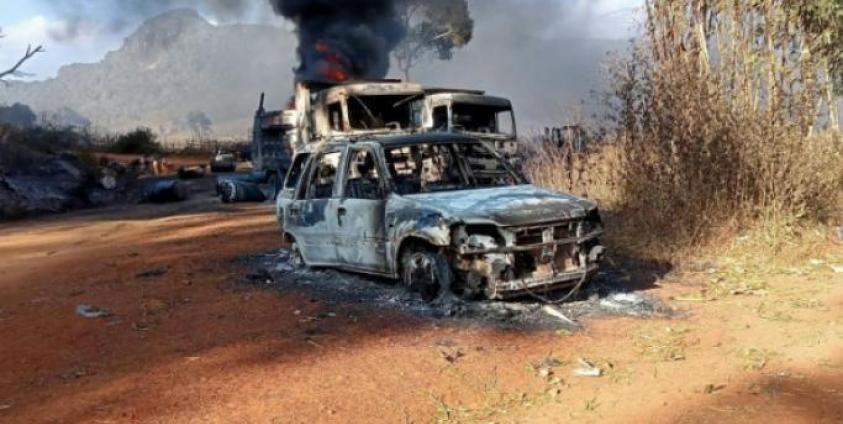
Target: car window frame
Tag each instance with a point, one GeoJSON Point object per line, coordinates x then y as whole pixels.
{"type": "Point", "coordinates": [384, 191]}
{"type": "Point", "coordinates": [303, 169]}
{"type": "Point", "coordinates": [304, 192]}
{"type": "Point", "coordinates": [391, 185]}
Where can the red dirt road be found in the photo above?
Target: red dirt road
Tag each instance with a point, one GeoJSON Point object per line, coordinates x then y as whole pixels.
{"type": "Point", "coordinates": [188, 342]}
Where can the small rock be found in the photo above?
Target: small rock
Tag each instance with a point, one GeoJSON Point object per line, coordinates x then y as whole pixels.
{"type": "Point", "coordinates": [92, 312]}
{"type": "Point", "coordinates": [451, 355]}
{"type": "Point", "coordinates": [837, 268]}
{"type": "Point", "coordinates": [151, 273]}
{"type": "Point", "coordinates": [140, 326]}
{"type": "Point", "coordinates": [154, 306]}
{"type": "Point", "coordinates": [838, 232]}
{"type": "Point", "coordinates": [711, 388]}
{"type": "Point", "coordinates": [5, 406]}
{"type": "Point", "coordinates": [816, 262]}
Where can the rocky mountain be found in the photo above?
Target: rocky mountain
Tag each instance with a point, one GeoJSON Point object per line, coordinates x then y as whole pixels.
{"type": "Point", "coordinates": [173, 66]}
{"type": "Point", "coordinates": [178, 65]}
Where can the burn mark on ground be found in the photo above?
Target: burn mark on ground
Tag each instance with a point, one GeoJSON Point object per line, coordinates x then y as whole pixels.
{"type": "Point", "coordinates": [613, 292]}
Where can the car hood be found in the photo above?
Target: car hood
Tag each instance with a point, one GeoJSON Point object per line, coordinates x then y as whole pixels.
{"type": "Point", "coordinates": [507, 206]}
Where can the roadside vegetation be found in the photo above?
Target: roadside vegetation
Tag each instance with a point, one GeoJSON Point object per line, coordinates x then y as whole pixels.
{"type": "Point", "coordinates": [139, 141]}
{"type": "Point", "coordinates": [721, 126]}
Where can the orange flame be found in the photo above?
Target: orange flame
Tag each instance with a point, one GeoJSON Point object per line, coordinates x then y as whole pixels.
{"type": "Point", "coordinates": [335, 70]}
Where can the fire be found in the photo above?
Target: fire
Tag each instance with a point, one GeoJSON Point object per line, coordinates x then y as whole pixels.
{"type": "Point", "coordinates": [332, 68]}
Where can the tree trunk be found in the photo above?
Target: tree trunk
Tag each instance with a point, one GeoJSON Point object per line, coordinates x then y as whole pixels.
{"type": "Point", "coordinates": [833, 117]}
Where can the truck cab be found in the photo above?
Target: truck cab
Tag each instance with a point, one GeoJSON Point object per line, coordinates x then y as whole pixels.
{"type": "Point", "coordinates": [472, 113]}
{"type": "Point", "coordinates": [331, 111]}
{"type": "Point", "coordinates": [271, 135]}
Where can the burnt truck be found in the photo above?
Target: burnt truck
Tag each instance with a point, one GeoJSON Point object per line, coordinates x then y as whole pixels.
{"type": "Point", "coordinates": [272, 136]}
{"type": "Point", "coordinates": [320, 112]}
{"type": "Point", "coordinates": [441, 212]}
{"type": "Point", "coordinates": [470, 112]}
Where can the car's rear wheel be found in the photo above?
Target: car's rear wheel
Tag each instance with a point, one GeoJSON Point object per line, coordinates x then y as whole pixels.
{"type": "Point", "coordinates": [296, 258]}
{"type": "Point", "coordinates": [426, 272]}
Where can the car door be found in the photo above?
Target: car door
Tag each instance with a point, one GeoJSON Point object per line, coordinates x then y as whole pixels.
{"type": "Point", "coordinates": [361, 228]}
{"type": "Point", "coordinates": [287, 194]}
{"type": "Point", "coordinates": [311, 218]}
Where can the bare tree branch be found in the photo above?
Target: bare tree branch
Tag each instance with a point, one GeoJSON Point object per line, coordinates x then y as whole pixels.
{"type": "Point", "coordinates": [15, 70]}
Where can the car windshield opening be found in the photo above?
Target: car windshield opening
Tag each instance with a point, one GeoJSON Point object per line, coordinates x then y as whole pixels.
{"type": "Point", "coordinates": [425, 168]}
{"type": "Point", "coordinates": [483, 118]}
{"type": "Point", "coordinates": [379, 112]}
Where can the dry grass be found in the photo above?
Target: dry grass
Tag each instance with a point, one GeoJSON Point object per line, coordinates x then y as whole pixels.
{"type": "Point", "coordinates": [702, 152]}
{"type": "Point", "coordinates": [666, 346]}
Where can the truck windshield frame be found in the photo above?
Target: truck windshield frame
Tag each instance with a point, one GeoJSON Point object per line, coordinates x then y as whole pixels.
{"type": "Point", "coordinates": [379, 112]}
{"type": "Point", "coordinates": [484, 119]}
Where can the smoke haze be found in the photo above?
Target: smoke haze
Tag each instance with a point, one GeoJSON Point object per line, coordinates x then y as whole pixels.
{"type": "Point", "coordinates": [544, 55]}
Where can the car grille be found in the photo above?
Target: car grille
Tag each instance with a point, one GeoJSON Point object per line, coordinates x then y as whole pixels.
{"type": "Point", "coordinates": [526, 236]}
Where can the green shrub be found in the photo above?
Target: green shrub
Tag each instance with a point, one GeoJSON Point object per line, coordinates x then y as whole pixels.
{"type": "Point", "coordinates": [140, 141]}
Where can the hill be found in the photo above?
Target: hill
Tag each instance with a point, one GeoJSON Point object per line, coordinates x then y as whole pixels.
{"type": "Point", "coordinates": [173, 65]}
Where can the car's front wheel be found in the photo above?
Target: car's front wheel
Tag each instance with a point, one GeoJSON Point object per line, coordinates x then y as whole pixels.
{"type": "Point", "coordinates": [427, 272]}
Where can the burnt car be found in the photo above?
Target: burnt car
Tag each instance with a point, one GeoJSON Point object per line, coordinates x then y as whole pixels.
{"type": "Point", "coordinates": [440, 212]}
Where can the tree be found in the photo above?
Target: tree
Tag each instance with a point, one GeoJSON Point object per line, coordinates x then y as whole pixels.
{"type": "Point", "coordinates": [139, 141]}
{"type": "Point", "coordinates": [15, 71]}
{"type": "Point", "coordinates": [19, 115]}
{"type": "Point", "coordinates": [822, 25]}
{"type": "Point", "coordinates": [200, 124]}
{"type": "Point", "coordinates": [433, 27]}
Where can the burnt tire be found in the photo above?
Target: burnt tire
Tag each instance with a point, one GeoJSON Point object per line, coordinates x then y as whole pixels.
{"type": "Point", "coordinates": [426, 272]}
{"type": "Point", "coordinates": [227, 191]}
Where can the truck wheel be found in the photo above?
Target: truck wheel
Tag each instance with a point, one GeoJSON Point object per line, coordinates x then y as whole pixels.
{"type": "Point", "coordinates": [426, 272]}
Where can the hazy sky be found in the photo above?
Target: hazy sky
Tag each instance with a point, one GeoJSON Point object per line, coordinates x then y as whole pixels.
{"type": "Point", "coordinates": [38, 22]}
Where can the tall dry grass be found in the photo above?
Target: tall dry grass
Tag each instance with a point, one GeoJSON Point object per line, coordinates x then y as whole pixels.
{"type": "Point", "coordinates": [719, 123]}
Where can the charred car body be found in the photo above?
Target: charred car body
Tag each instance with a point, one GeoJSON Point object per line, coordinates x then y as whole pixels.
{"type": "Point", "coordinates": [439, 211]}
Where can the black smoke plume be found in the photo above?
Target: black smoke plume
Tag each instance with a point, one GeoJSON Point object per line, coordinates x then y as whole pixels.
{"type": "Point", "coordinates": [343, 39]}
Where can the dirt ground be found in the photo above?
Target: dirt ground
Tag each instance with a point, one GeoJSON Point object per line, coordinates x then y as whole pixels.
{"type": "Point", "coordinates": [190, 341]}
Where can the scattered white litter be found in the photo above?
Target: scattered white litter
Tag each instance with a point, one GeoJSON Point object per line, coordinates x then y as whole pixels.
{"type": "Point", "coordinates": [619, 301]}
{"type": "Point", "coordinates": [550, 310]}
{"type": "Point", "coordinates": [92, 312]}
{"type": "Point", "coordinates": [587, 369]}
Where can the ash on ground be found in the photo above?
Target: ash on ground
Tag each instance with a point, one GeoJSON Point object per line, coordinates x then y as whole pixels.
{"type": "Point", "coordinates": [608, 294]}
